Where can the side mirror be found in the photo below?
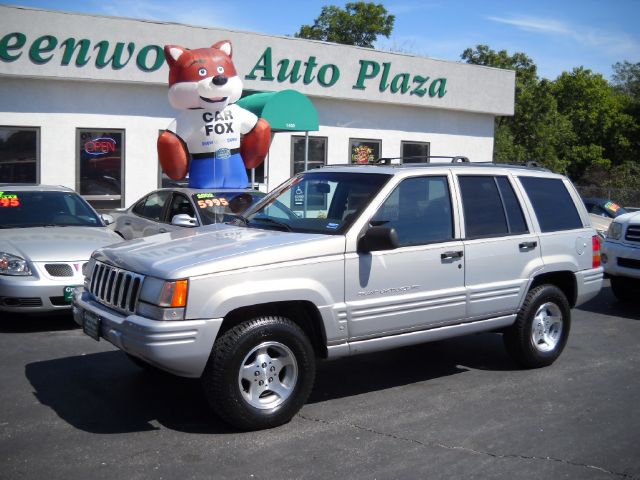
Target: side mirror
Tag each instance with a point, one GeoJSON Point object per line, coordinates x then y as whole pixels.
{"type": "Point", "coordinates": [184, 220]}
{"type": "Point", "coordinates": [107, 219]}
{"type": "Point", "coordinates": [378, 238]}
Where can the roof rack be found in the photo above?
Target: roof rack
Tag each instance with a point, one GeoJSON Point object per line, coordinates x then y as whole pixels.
{"type": "Point", "coordinates": [454, 159]}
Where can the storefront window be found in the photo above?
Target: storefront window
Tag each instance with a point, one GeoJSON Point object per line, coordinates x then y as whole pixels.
{"type": "Point", "coordinates": [100, 166]}
{"type": "Point", "coordinates": [19, 154]}
{"type": "Point", "coordinates": [364, 151]}
{"type": "Point", "coordinates": [415, 152]}
{"type": "Point", "coordinates": [317, 153]}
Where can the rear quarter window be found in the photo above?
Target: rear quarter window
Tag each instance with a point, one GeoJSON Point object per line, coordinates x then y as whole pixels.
{"type": "Point", "coordinates": [551, 203]}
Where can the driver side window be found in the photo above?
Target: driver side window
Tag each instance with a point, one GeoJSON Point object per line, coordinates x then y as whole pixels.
{"type": "Point", "coordinates": [180, 205]}
{"type": "Point", "coordinates": [151, 207]}
{"type": "Point", "coordinates": [420, 211]}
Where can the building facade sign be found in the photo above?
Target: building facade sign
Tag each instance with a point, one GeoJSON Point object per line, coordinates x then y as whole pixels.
{"type": "Point", "coordinates": [54, 44]}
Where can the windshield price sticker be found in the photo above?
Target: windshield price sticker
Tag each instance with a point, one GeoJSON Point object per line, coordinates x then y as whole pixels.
{"type": "Point", "coordinates": [213, 202]}
{"type": "Point", "coordinates": [205, 195]}
{"type": "Point", "coordinates": [9, 200]}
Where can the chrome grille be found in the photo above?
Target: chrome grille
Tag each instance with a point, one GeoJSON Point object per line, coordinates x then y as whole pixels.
{"type": "Point", "coordinates": [115, 287]}
{"type": "Point", "coordinates": [633, 233]}
{"type": "Point", "coordinates": [59, 269]}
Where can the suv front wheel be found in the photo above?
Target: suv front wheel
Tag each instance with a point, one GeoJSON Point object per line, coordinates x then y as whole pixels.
{"type": "Point", "coordinates": [260, 373]}
{"type": "Point", "coordinates": [541, 330]}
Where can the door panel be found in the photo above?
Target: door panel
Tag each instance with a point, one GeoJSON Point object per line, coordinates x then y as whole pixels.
{"type": "Point", "coordinates": [405, 289]}
{"type": "Point", "coordinates": [421, 283]}
{"type": "Point", "coordinates": [500, 263]}
{"type": "Point", "coordinates": [498, 272]}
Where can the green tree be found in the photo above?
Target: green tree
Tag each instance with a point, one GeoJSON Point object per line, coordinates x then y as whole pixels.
{"type": "Point", "coordinates": [536, 131]}
{"type": "Point", "coordinates": [526, 70]}
{"type": "Point", "coordinates": [603, 131]}
{"type": "Point", "coordinates": [358, 24]}
{"type": "Point", "coordinates": [626, 78]}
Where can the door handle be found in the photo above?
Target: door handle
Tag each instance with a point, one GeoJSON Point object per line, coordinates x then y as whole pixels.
{"type": "Point", "coordinates": [163, 230]}
{"type": "Point", "coordinates": [451, 255]}
{"type": "Point", "coordinates": [528, 245]}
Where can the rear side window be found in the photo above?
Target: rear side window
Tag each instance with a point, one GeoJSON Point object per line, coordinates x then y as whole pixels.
{"type": "Point", "coordinates": [552, 204]}
{"type": "Point", "coordinates": [512, 208]}
{"type": "Point", "coordinates": [490, 206]}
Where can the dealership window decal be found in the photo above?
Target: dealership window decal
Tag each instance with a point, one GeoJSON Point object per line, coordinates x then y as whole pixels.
{"type": "Point", "coordinates": [364, 151]}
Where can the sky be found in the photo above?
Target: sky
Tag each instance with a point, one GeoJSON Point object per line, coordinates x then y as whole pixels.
{"type": "Point", "coordinates": [557, 35]}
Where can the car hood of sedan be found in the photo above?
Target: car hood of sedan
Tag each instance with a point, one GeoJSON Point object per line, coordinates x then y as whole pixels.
{"type": "Point", "coordinates": [56, 244]}
{"type": "Point", "coordinates": [216, 248]}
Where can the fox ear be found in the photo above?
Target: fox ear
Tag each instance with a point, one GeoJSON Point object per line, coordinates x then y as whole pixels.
{"type": "Point", "coordinates": [225, 46]}
{"type": "Point", "coordinates": [173, 52]}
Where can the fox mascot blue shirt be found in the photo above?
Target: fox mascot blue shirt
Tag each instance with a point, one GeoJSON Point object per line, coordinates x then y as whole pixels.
{"type": "Point", "coordinates": [212, 139]}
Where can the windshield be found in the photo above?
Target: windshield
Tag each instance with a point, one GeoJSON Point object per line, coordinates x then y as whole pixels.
{"type": "Point", "coordinates": [219, 207]}
{"type": "Point", "coordinates": [21, 209]}
{"type": "Point", "coordinates": [317, 202]}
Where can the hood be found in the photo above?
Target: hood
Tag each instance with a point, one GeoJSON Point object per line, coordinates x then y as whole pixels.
{"type": "Point", "coordinates": [216, 248]}
{"type": "Point", "coordinates": [56, 244]}
{"type": "Point", "coordinates": [629, 218]}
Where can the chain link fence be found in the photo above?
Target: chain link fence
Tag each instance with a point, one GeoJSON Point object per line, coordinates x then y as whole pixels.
{"type": "Point", "coordinates": [628, 198]}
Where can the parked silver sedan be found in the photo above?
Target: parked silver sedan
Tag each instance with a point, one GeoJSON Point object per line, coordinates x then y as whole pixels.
{"type": "Point", "coordinates": [169, 209]}
{"type": "Point", "coordinates": [47, 234]}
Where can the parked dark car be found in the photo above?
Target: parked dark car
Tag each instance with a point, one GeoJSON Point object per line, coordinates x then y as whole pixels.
{"type": "Point", "coordinates": [601, 212]}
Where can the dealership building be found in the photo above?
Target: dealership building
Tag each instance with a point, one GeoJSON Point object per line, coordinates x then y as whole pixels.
{"type": "Point", "coordinates": [83, 99]}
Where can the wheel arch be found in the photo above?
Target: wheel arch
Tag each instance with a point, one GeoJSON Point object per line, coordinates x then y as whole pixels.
{"type": "Point", "coordinates": [303, 313]}
{"type": "Point", "coordinates": [564, 280]}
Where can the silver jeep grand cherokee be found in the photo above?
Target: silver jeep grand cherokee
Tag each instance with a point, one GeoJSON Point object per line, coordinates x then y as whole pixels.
{"type": "Point", "coordinates": [345, 260]}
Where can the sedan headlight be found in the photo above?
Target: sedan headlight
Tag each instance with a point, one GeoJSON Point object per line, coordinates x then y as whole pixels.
{"type": "Point", "coordinates": [13, 265]}
{"type": "Point", "coordinates": [615, 231]}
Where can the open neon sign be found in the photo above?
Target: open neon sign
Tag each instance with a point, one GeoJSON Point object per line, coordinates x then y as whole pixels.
{"type": "Point", "coordinates": [100, 146]}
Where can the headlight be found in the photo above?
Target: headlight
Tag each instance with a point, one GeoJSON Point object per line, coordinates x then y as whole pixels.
{"type": "Point", "coordinates": [615, 231]}
{"type": "Point", "coordinates": [163, 300]}
{"type": "Point", "coordinates": [13, 265]}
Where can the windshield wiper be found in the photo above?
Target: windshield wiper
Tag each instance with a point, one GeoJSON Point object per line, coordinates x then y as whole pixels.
{"type": "Point", "coordinates": [273, 222]}
{"type": "Point", "coordinates": [237, 219]}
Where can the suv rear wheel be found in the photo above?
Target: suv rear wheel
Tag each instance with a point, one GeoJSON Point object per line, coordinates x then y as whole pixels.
{"type": "Point", "coordinates": [260, 373]}
{"type": "Point", "coordinates": [541, 330]}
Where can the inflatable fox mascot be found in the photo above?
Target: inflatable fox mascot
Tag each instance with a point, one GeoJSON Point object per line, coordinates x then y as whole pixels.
{"type": "Point", "coordinates": [212, 139]}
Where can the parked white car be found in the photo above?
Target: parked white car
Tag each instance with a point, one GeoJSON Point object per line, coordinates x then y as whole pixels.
{"type": "Point", "coordinates": [47, 234]}
{"type": "Point", "coordinates": [621, 256]}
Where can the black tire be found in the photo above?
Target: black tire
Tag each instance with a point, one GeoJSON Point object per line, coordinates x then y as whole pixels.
{"type": "Point", "coordinates": [541, 330]}
{"type": "Point", "coordinates": [624, 289]}
{"type": "Point", "coordinates": [271, 350]}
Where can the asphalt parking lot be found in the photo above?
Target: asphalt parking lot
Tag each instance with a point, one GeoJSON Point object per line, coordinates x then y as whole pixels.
{"type": "Point", "coordinates": [74, 408]}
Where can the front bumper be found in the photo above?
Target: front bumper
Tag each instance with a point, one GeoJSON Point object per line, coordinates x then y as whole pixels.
{"type": "Point", "coordinates": [622, 259]}
{"type": "Point", "coordinates": [34, 294]}
{"type": "Point", "coordinates": [179, 347]}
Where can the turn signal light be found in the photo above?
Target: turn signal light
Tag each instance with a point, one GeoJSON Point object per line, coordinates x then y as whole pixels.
{"type": "Point", "coordinates": [174, 294]}
{"type": "Point", "coordinates": [595, 242]}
